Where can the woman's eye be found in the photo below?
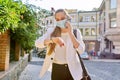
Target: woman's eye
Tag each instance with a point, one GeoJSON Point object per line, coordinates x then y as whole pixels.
{"type": "Point", "coordinates": [57, 19]}
{"type": "Point", "coordinates": [60, 19]}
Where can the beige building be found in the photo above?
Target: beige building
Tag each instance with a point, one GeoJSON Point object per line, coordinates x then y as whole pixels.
{"type": "Point", "coordinates": [74, 15]}
{"type": "Point", "coordinates": [110, 28]}
{"type": "Point", "coordinates": [87, 22]}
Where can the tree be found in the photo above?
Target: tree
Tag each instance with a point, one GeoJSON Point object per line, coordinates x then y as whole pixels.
{"type": "Point", "coordinates": [27, 32]}
{"type": "Point", "coordinates": [22, 20]}
{"type": "Point", "coordinates": [95, 9]}
{"type": "Point", "coordinates": [10, 11]}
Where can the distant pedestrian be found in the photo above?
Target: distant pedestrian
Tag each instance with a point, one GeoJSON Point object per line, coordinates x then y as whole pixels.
{"type": "Point", "coordinates": [94, 53]}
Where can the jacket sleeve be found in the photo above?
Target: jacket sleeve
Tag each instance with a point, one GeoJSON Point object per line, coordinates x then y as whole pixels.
{"type": "Point", "coordinates": [81, 47]}
{"type": "Point", "coordinates": [40, 41]}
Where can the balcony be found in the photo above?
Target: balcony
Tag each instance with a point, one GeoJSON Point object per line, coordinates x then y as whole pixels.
{"type": "Point", "coordinates": [74, 23]}
{"type": "Point", "coordinates": [112, 10]}
{"type": "Point", "coordinates": [88, 23]}
{"type": "Point", "coordinates": [89, 37]}
{"type": "Point", "coordinates": [113, 34]}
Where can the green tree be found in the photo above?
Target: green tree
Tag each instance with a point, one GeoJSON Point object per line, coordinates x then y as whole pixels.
{"type": "Point", "coordinates": [10, 11]}
{"type": "Point", "coordinates": [29, 26]}
{"type": "Point", "coordinates": [95, 9]}
{"type": "Point", "coordinates": [26, 34]}
{"type": "Point", "coordinates": [22, 20]}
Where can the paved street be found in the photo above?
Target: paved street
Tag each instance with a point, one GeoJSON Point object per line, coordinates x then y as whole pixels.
{"type": "Point", "coordinates": [104, 70]}
{"type": "Point", "coordinates": [98, 69]}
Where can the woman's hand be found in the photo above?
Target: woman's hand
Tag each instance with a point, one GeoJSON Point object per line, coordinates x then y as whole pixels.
{"type": "Point", "coordinates": [58, 41]}
{"type": "Point", "coordinates": [73, 38]}
{"type": "Point", "coordinates": [68, 27]}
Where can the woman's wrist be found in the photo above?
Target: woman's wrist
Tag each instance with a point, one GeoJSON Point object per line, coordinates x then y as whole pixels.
{"type": "Point", "coordinates": [70, 33]}
{"type": "Point", "coordinates": [51, 40]}
{"type": "Point", "coordinates": [54, 39]}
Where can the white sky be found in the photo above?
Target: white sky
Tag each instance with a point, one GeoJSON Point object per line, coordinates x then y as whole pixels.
{"type": "Point", "coordinates": [66, 4]}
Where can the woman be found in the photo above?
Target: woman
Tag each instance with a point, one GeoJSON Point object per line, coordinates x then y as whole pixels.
{"type": "Point", "coordinates": [61, 44]}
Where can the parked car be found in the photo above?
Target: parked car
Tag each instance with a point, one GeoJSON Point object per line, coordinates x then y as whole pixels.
{"type": "Point", "coordinates": [85, 56]}
{"type": "Point", "coordinates": [41, 53]}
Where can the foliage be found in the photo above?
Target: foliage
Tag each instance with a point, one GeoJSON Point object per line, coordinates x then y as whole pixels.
{"type": "Point", "coordinates": [40, 13]}
{"type": "Point", "coordinates": [23, 21]}
{"type": "Point", "coordinates": [10, 14]}
{"type": "Point", "coordinates": [26, 34]}
{"type": "Point", "coordinates": [95, 9]}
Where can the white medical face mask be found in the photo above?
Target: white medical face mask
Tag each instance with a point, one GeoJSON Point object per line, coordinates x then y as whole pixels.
{"type": "Point", "coordinates": [61, 23]}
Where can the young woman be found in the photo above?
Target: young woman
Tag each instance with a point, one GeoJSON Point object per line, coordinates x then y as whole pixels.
{"type": "Point", "coordinates": [61, 44]}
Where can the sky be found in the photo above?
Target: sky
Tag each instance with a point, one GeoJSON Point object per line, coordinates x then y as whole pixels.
{"type": "Point", "coordinates": [85, 5]}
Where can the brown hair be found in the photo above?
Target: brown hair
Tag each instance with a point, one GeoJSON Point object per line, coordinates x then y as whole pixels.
{"type": "Point", "coordinates": [56, 33]}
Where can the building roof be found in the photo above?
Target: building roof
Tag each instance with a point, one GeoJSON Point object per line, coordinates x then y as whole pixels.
{"type": "Point", "coordinates": [87, 11]}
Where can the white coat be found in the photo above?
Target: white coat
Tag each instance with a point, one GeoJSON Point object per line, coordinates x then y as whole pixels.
{"type": "Point", "coordinates": [71, 56]}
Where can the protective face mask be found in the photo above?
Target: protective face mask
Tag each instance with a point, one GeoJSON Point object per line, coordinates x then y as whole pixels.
{"type": "Point", "coordinates": [61, 23]}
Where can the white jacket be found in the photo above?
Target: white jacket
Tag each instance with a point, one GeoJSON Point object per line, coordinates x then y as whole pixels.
{"type": "Point", "coordinates": [71, 56]}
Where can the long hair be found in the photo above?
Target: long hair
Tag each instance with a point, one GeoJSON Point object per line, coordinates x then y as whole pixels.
{"type": "Point", "coordinates": [56, 33]}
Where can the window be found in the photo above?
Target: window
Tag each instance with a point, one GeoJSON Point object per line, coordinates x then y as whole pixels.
{"type": "Point", "coordinates": [93, 31]}
{"type": "Point", "coordinates": [107, 43]}
{"type": "Point", "coordinates": [113, 23]}
{"type": "Point", "coordinates": [113, 47]}
{"type": "Point", "coordinates": [86, 18]}
{"type": "Point", "coordinates": [73, 18]}
{"type": "Point", "coordinates": [104, 25]}
{"type": "Point", "coordinates": [81, 30]}
{"type": "Point", "coordinates": [113, 4]}
{"type": "Point", "coordinates": [87, 31]}
{"type": "Point", "coordinates": [93, 18]}
{"type": "Point", "coordinates": [81, 18]}
{"type": "Point", "coordinates": [113, 15]}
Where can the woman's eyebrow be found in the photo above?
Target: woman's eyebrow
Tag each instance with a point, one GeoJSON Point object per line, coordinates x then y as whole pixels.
{"type": "Point", "coordinates": [57, 19]}
{"type": "Point", "coordinates": [60, 18]}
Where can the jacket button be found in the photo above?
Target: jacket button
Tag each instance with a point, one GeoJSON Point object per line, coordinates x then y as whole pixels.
{"type": "Point", "coordinates": [51, 58]}
{"type": "Point", "coordinates": [65, 65]}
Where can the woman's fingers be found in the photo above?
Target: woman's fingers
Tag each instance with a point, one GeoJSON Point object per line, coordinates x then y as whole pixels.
{"type": "Point", "coordinates": [61, 42]}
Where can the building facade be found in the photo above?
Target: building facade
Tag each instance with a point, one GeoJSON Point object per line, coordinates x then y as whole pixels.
{"type": "Point", "coordinates": [110, 28]}
{"type": "Point", "coordinates": [88, 23]}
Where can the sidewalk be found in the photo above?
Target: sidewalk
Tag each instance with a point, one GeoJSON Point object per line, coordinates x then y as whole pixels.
{"type": "Point", "coordinates": [32, 70]}
{"type": "Point", "coordinates": [106, 60]}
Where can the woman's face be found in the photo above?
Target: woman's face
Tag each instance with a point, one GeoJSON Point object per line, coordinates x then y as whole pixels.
{"type": "Point", "coordinates": [60, 16]}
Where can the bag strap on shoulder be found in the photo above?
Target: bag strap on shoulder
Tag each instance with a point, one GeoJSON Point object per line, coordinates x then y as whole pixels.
{"type": "Point", "coordinates": [75, 32]}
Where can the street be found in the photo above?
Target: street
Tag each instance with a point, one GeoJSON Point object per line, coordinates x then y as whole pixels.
{"type": "Point", "coordinates": [98, 70]}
